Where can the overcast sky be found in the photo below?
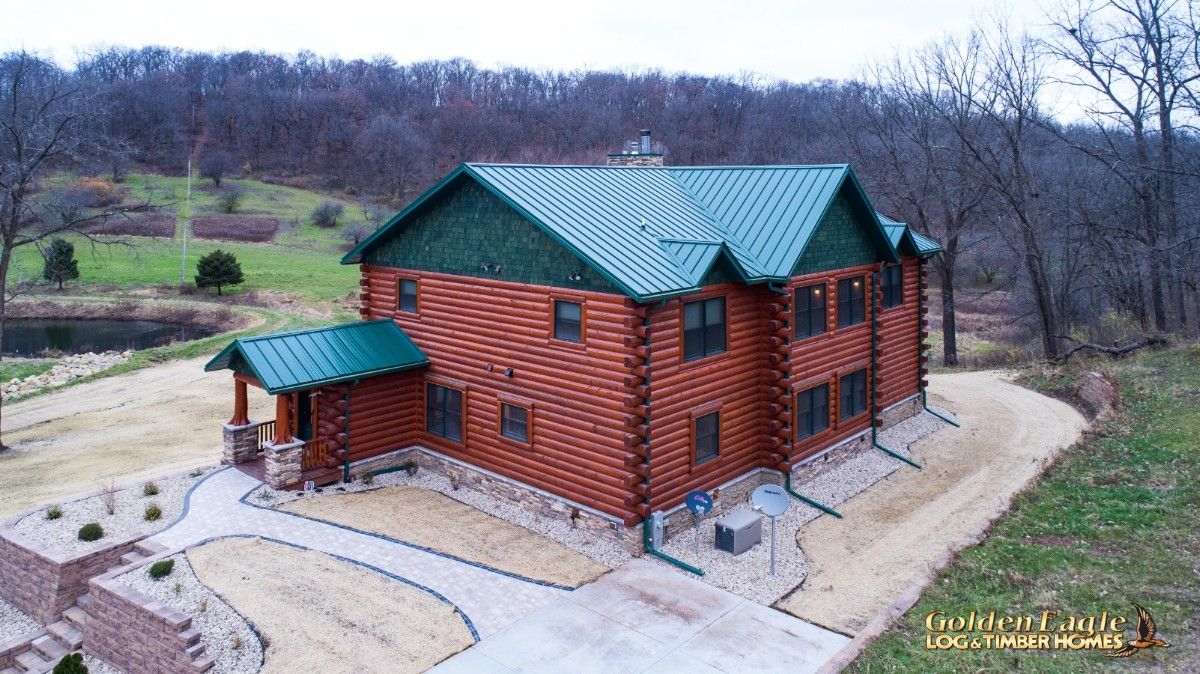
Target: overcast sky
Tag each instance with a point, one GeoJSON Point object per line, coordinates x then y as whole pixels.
{"type": "Point", "coordinates": [795, 40]}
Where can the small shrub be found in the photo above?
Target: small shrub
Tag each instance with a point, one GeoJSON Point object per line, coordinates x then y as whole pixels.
{"type": "Point", "coordinates": [367, 478]}
{"type": "Point", "coordinates": [237, 642]}
{"type": "Point", "coordinates": [108, 496]}
{"type": "Point", "coordinates": [161, 569]}
{"type": "Point", "coordinates": [54, 512]}
{"type": "Point", "coordinates": [264, 496]}
{"type": "Point", "coordinates": [203, 606]}
{"type": "Point", "coordinates": [178, 587]}
{"type": "Point", "coordinates": [217, 269]}
{"type": "Point", "coordinates": [354, 234]}
{"type": "Point", "coordinates": [326, 215]}
{"type": "Point", "coordinates": [71, 663]}
{"type": "Point", "coordinates": [153, 513]}
{"type": "Point", "coordinates": [91, 531]}
{"type": "Point", "coordinates": [150, 489]}
{"type": "Point", "coordinates": [230, 198]}
{"type": "Point", "coordinates": [196, 473]}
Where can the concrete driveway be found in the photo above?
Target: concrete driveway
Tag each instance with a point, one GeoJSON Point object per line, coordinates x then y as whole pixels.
{"type": "Point", "coordinates": [642, 618]}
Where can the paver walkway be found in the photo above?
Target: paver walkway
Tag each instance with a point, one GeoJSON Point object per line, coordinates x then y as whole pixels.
{"type": "Point", "coordinates": [488, 599]}
{"type": "Point", "coordinates": [643, 618]}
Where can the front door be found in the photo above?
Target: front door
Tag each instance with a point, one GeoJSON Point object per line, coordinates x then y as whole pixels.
{"type": "Point", "coordinates": [304, 416]}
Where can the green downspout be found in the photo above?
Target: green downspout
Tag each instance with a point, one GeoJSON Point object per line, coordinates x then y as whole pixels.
{"type": "Point", "coordinates": [787, 474]}
{"type": "Point", "coordinates": [921, 345]}
{"type": "Point", "coordinates": [875, 373]}
{"type": "Point", "coordinates": [346, 446]}
{"type": "Point", "coordinates": [647, 540]}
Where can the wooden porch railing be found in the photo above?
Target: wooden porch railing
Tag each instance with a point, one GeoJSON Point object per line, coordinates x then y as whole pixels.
{"type": "Point", "coordinates": [315, 453]}
{"type": "Point", "coordinates": [266, 433]}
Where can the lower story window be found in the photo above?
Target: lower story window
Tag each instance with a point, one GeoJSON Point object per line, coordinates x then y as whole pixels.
{"type": "Point", "coordinates": [707, 434]}
{"type": "Point", "coordinates": [812, 411]}
{"type": "Point", "coordinates": [514, 422]}
{"type": "Point", "coordinates": [853, 394]}
{"type": "Point", "coordinates": [443, 412]}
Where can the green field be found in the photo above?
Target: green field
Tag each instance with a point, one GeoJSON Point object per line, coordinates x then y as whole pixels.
{"type": "Point", "coordinates": [1113, 522]}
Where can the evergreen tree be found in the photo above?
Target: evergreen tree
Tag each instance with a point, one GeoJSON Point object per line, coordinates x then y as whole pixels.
{"type": "Point", "coordinates": [217, 269]}
{"type": "Point", "coordinates": [61, 264]}
{"type": "Point", "coordinates": [72, 663]}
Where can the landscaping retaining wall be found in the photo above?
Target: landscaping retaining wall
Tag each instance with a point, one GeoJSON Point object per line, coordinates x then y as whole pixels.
{"type": "Point", "coordinates": [44, 583]}
{"type": "Point", "coordinates": [22, 644]}
{"type": "Point", "coordinates": [137, 634]}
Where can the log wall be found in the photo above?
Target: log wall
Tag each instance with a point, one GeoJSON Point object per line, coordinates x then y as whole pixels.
{"type": "Point", "coordinates": [581, 397]}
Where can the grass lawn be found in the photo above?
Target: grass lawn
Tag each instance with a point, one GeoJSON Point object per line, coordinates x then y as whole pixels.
{"type": "Point", "coordinates": [20, 368]}
{"type": "Point", "coordinates": [1113, 522]}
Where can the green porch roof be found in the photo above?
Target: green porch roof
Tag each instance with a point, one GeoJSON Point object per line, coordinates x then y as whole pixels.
{"type": "Point", "coordinates": [654, 231]}
{"type": "Point", "coordinates": [293, 361]}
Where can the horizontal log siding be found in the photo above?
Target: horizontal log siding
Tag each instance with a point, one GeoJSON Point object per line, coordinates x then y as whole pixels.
{"type": "Point", "coordinates": [583, 406]}
{"type": "Point", "coordinates": [898, 326]}
{"type": "Point", "coordinates": [384, 413]}
{"type": "Point", "coordinates": [823, 358]}
{"type": "Point", "coordinates": [730, 382]}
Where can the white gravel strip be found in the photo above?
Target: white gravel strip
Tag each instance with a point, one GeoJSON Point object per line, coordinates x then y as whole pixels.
{"type": "Point", "coordinates": [129, 516]}
{"type": "Point", "coordinates": [226, 635]}
{"type": "Point", "coordinates": [14, 623]}
{"type": "Point", "coordinates": [748, 574]}
{"type": "Point", "coordinates": [582, 541]}
{"type": "Point", "coordinates": [97, 666]}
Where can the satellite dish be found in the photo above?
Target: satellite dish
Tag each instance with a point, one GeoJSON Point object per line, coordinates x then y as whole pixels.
{"type": "Point", "coordinates": [699, 502]}
{"type": "Point", "coordinates": [771, 499]}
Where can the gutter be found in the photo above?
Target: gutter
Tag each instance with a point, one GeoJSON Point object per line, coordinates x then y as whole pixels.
{"type": "Point", "coordinates": [875, 373]}
{"type": "Point", "coordinates": [647, 541]}
{"type": "Point", "coordinates": [921, 344]}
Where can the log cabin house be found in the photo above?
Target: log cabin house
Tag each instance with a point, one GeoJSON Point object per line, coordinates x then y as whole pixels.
{"type": "Point", "coordinates": [604, 339]}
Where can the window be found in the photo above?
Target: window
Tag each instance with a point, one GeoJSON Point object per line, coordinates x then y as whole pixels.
{"type": "Point", "coordinates": [812, 411]}
{"type": "Point", "coordinates": [851, 301]}
{"type": "Point", "coordinates": [892, 280]}
{"type": "Point", "coordinates": [703, 328]}
{"type": "Point", "coordinates": [568, 321]}
{"type": "Point", "coordinates": [406, 295]}
{"type": "Point", "coordinates": [707, 437]}
{"type": "Point", "coordinates": [853, 390]}
{"type": "Point", "coordinates": [443, 412]}
{"type": "Point", "coordinates": [514, 422]}
{"type": "Point", "coordinates": [810, 311]}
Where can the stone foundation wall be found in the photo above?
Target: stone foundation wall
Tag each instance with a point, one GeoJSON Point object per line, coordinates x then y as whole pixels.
{"type": "Point", "coordinates": [241, 443]}
{"type": "Point", "coordinates": [530, 498]}
{"type": "Point", "coordinates": [44, 583]}
{"type": "Point", "coordinates": [815, 465]}
{"type": "Point", "coordinates": [137, 634]}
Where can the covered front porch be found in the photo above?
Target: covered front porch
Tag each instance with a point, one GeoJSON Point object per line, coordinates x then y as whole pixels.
{"type": "Point", "coordinates": [312, 374]}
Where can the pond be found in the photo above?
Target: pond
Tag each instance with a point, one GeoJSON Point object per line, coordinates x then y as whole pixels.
{"type": "Point", "coordinates": [32, 336]}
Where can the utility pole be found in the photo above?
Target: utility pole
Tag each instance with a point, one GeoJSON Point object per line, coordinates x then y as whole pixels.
{"type": "Point", "coordinates": [187, 219]}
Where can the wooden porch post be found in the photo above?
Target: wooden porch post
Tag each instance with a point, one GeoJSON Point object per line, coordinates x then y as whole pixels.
{"type": "Point", "coordinates": [241, 415]}
{"type": "Point", "coordinates": [283, 426]}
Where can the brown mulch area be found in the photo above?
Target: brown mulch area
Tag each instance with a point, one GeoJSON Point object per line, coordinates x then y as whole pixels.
{"type": "Point", "coordinates": [159, 226]}
{"type": "Point", "coordinates": [235, 228]}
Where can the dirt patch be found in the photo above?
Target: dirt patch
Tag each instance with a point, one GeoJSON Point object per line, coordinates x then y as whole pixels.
{"type": "Point", "coordinates": [320, 614]}
{"type": "Point", "coordinates": [158, 226]}
{"type": "Point", "coordinates": [436, 521]}
{"type": "Point", "coordinates": [251, 228]}
{"type": "Point", "coordinates": [217, 318]}
{"type": "Point", "coordinates": [144, 424]}
{"type": "Point", "coordinates": [895, 530]}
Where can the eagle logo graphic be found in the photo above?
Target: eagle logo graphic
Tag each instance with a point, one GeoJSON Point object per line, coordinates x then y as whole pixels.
{"type": "Point", "coordinates": [1146, 629]}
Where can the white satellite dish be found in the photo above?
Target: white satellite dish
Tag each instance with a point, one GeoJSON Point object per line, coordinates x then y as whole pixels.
{"type": "Point", "coordinates": [771, 499]}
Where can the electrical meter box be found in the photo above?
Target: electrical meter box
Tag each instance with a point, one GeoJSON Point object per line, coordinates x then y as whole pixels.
{"type": "Point", "coordinates": [739, 531]}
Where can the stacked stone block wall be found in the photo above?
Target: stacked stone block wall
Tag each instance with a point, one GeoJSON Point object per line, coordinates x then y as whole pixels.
{"type": "Point", "coordinates": [241, 443]}
{"type": "Point", "coordinates": [140, 635]}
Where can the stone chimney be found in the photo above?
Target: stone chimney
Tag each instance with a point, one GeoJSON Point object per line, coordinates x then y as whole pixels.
{"type": "Point", "coordinates": [637, 153]}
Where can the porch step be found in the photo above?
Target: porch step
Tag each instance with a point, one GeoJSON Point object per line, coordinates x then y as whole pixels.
{"type": "Point", "coordinates": [76, 616]}
{"type": "Point", "coordinates": [204, 663]}
{"type": "Point", "coordinates": [49, 648]}
{"type": "Point", "coordinates": [131, 557]}
{"type": "Point", "coordinates": [66, 634]}
{"type": "Point", "coordinates": [323, 476]}
{"type": "Point", "coordinates": [33, 663]}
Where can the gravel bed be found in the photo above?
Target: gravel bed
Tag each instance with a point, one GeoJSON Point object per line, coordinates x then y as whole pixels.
{"type": "Point", "coordinates": [582, 541]}
{"type": "Point", "coordinates": [748, 574]}
{"type": "Point", "coordinates": [14, 623]}
{"type": "Point", "coordinates": [62, 534]}
{"type": "Point", "coordinates": [97, 666]}
{"type": "Point", "coordinates": [220, 626]}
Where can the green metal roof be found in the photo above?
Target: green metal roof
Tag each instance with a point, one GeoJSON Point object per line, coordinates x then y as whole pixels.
{"type": "Point", "coordinates": [903, 236]}
{"type": "Point", "coordinates": [304, 359]}
{"type": "Point", "coordinates": [655, 231]}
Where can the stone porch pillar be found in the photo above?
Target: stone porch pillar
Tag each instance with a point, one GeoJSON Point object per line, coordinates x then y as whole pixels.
{"type": "Point", "coordinates": [283, 462]}
{"type": "Point", "coordinates": [241, 442]}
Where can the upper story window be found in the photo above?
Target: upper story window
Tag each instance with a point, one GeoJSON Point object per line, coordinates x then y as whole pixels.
{"type": "Point", "coordinates": [406, 295]}
{"type": "Point", "coordinates": [851, 301]}
{"type": "Point", "coordinates": [706, 437]}
{"type": "Point", "coordinates": [810, 311]}
{"type": "Point", "coordinates": [568, 321]}
{"type": "Point", "coordinates": [703, 328]}
{"type": "Point", "coordinates": [444, 412]}
{"type": "Point", "coordinates": [812, 411]}
{"type": "Point", "coordinates": [892, 280]}
{"type": "Point", "coordinates": [853, 391]}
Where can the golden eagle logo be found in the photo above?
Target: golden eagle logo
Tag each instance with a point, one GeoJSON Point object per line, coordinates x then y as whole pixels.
{"type": "Point", "coordinates": [1146, 629]}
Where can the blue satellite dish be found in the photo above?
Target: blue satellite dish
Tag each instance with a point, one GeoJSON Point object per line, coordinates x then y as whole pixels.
{"type": "Point", "coordinates": [699, 502]}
